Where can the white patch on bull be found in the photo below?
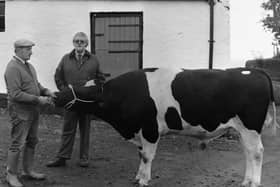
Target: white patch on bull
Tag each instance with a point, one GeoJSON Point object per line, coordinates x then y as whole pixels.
{"type": "Point", "coordinates": [89, 83]}
{"type": "Point", "coordinates": [136, 141]}
{"type": "Point", "coordinates": [159, 83]}
{"type": "Point", "coordinates": [246, 72]}
{"type": "Point", "coordinates": [200, 133]}
{"type": "Point", "coordinates": [253, 148]}
{"type": "Point", "coordinates": [147, 154]}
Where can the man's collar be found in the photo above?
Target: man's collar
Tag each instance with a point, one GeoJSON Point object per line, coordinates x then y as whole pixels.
{"type": "Point", "coordinates": [19, 59]}
{"type": "Point", "coordinates": [73, 54]}
{"type": "Point", "coordinates": [81, 54]}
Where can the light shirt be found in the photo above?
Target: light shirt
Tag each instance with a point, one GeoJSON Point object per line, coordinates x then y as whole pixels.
{"type": "Point", "coordinates": [20, 59]}
{"type": "Point", "coordinates": [25, 64]}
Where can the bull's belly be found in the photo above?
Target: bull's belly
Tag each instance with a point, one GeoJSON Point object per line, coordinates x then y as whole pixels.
{"type": "Point", "coordinates": [198, 131]}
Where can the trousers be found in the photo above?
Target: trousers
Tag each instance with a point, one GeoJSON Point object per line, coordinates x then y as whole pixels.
{"type": "Point", "coordinates": [23, 135]}
{"type": "Point", "coordinates": [71, 121]}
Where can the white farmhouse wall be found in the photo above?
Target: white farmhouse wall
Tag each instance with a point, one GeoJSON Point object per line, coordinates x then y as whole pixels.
{"type": "Point", "coordinates": [175, 34]}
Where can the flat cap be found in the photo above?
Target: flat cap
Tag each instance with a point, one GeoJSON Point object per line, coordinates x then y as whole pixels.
{"type": "Point", "coordinates": [23, 43]}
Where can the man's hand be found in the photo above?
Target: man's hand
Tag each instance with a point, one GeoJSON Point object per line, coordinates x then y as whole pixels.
{"type": "Point", "coordinates": [50, 93]}
{"type": "Point", "coordinates": [43, 100]}
{"type": "Point", "coordinates": [90, 83]}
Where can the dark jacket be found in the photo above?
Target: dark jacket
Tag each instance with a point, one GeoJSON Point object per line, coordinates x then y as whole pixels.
{"type": "Point", "coordinates": [70, 71]}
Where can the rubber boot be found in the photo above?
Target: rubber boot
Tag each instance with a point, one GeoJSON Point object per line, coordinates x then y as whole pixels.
{"type": "Point", "coordinates": [12, 169]}
{"type": "Point", "coordinates": [27, 164]}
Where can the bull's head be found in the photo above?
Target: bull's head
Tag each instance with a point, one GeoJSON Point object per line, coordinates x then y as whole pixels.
{"type": "Point", "coordinates": [84, 98]}
{"type": "Point", "coordinates": [78, 98]}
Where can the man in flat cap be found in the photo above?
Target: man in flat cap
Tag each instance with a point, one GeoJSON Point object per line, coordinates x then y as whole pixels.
{"type": "Point", "coordinates": [25, 96]}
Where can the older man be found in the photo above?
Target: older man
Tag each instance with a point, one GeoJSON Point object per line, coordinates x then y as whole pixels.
{"type": "Point", "coordinates": [75, 68]}
{"type": "Point", "coordinates": [25, 96]}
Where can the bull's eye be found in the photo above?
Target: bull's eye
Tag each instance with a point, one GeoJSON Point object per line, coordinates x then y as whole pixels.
{"type": "Point", "coordinates": [246, 72]}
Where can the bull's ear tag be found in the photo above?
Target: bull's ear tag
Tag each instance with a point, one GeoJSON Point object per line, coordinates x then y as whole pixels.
{"type": "Point", "coordinates": [246, 72]}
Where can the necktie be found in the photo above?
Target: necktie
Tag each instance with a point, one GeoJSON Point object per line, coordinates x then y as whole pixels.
{"type": "Point", "coordinates": [80, 58]}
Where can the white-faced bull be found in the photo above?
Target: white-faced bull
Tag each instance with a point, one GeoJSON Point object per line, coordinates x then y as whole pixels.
{"type": "Point", "coordinates": [200, 103]}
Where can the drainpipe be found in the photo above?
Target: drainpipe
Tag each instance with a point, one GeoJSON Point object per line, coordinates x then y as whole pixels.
{"type": "Point", "coordinates": [211, 36]}
{"type": "Point", "coordinates": [2, 15]}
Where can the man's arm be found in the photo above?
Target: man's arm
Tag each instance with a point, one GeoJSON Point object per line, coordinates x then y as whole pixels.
{"type": "Point", "coordinates": [100, 75]}
{"type": "Point", "coordinates": [13, 83]}
{"type": "Point", "coordinates": [59, 76]}
{"type": "Point", "coordinates": [45, 91]}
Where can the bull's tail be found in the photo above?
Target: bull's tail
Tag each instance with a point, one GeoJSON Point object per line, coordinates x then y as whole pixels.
{"type": "Point", "coordinates": [271, 119]}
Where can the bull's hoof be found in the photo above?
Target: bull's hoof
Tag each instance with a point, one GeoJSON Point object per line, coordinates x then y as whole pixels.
{"type": "Point", "coordinates": [142, 185]}
{"type": "Point", "coordinates": [136, 183]}
{"type": "Point", "coordinates": [250, 184]}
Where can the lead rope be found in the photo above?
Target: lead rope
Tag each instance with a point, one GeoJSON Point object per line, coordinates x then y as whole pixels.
{"type": "Point", "coordinates": [72, 102]}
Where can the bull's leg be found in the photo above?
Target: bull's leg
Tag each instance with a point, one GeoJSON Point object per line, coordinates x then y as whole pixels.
{"type": "Point", "coordinates": [147, 154]}
{"type": "Point", "coordinates": [253, 149]}
{"type": "Point", "coordinates": [248, 169]}
{"type": "Point", "coordinates": [140, 172]}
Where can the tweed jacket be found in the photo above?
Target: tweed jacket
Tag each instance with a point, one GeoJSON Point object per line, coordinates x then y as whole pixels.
{"type": "Point", "coordinates": [23, 88]}
{"type": "Point", "coordinates": [71, 71]}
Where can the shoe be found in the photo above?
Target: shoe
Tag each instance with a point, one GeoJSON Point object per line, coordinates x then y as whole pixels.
{"type": "Point", "coordinates": [13, 180]}
{"type": "Point", "coordinates": [60, 162]}
{"type": "Point", "coordinates": [84, 163]}
{"type": "Point", "coordinates": [34, 176]}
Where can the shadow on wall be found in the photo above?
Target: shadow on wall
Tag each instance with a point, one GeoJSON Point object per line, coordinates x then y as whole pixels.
{"type": "Point", "coordinates": [272, 67]}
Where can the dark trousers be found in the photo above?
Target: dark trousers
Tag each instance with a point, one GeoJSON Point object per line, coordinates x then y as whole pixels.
{"type": "Point", "coordinates": [71, 120]}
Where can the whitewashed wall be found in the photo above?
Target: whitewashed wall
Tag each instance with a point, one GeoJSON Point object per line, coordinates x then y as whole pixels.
{"type": "Point", "coordinates": [175, 33]}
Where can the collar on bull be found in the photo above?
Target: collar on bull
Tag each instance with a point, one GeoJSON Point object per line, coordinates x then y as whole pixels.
{"type": "Point", "coordinates": [72, 102]}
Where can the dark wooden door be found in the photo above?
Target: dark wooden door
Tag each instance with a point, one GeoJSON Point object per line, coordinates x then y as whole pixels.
{"type": "Point", "coordinates": [116, 39]}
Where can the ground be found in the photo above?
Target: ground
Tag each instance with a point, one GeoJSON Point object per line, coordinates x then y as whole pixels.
{"type": "Point", "coordinates": [113, 162]}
